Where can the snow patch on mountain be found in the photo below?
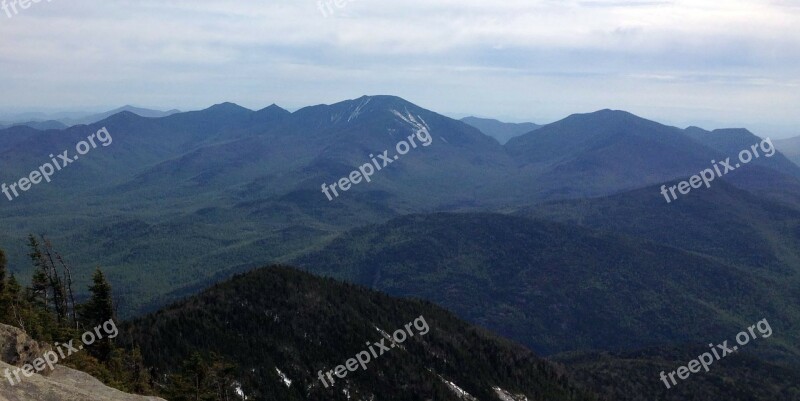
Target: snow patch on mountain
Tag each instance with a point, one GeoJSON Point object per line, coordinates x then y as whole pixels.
{"type": "Point", "coordinates": [237, 388]}
{"type": "Point", "coordinates": [285, 379]}
{"type": "Point", "coordinates": [357, 112]}
{"type": "Point", "coordinates": [412, 121]}
{"type": "Point", "coordinates": [457, 390]}
{"type": "Point", "coordinates": [506, 396]}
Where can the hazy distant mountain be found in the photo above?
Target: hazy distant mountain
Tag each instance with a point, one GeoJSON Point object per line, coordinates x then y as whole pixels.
{"type": "Point", "coordinates": [732, 141]}
{"type": "Point", "coordinates": [40, 125]}
{"type": "Point", "coordinates": [43, 121]}
{"type": "Point", "coordinates": [606, 152]}
{"type": "Point", "coordinates": [289, 325]}
{"type": "Point", "coordinates": [46, 125]}
{"type": "Point", "coordinates": [774, 177]}
{"type": "Point", "coordinates": [93, 118]}
{"type": "Point", "coordinates": [41, 116]}
{"type": "Point", "coordinates": [790, 147]}
{"type": "Point", "coordinates": [601, 153]}
{"type": "Point", "coordinates": [499, 130]}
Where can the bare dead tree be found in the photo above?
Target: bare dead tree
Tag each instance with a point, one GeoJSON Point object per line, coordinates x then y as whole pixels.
{"type": "Point", "coordinates": [57, 285]}
{"type": "Point", "coordinates": [68, 279]}
{"type": "Point", "coordinates": [17, 317]}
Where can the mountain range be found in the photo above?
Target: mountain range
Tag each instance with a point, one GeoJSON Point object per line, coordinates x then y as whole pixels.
{"type": "Point", "coordinates": [39, 125]}
{"type": "Point", "coordinates": [559, 239]}
{"type": "Point", "coordinates": [45, 121]}
{"type": "Point", "coordinates": [186, 199]}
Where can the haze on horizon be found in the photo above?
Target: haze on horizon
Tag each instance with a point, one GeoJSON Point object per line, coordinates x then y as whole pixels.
{"type": "Point", "coordinates": [714, 64]}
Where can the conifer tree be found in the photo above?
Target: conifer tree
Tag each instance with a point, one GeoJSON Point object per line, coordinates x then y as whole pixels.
{"type": "Point", "coordinates": [37, 308]}
{"type": "Point", "coordinates": [101, 306]}
{"type": "Point", "coordinates": [4, 300]}
{"type": "Point", "coordinates": [3, 266]}
{"type": "Point", "coordinates": [40, 282]}
{"type": "Point", "coordinates": [99, 310]}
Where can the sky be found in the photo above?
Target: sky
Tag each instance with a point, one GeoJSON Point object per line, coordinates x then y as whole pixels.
{"type": "Point", "coordinates": [712, 63]}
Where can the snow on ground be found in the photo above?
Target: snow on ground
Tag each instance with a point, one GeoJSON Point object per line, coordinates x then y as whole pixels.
{"type": "Point", "coordinates": [506, 396]}
{"type": "Point", "coordinates": [286, 380]}
{"type": "Point", "coordinates": [458, 390]}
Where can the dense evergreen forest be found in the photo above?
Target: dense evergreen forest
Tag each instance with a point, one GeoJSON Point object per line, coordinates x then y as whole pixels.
{"type": "Point", "coordinates": [277, 321]}
{"type": "Point", "coordinates": [46, 310]}
{"type": "Point", "coordinates": [230, 340]}
{"type": "Point", "coordinates": [267, 333]}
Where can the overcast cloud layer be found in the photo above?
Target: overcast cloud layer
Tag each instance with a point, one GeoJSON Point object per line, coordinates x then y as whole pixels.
{"type": "Point", "coordinates": [708, 62]}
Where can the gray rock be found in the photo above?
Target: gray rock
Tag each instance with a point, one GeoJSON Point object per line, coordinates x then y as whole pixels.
{"type": "Point", "coordinates": [62, 384]}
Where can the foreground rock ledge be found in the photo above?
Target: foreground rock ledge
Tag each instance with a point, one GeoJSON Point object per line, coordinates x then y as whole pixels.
{"type": "Point", "coordinates": [63, 384]}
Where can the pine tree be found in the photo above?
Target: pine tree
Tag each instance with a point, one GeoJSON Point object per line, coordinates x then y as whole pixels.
{"type": "Point", "coordinates": [14, 290]}
{"type": "Point", "coordinates": [99, 310]}
{"type": "Point", "coordinates": [45, 309]}
{"type": "Point", "coordinates": [101, 306]}
{"type": "Point", "coordinates": [3, 266]}
{"type": "Point", "coordinates": [40, 283]}
{"type": "Point", "coordinates": [4, 300]}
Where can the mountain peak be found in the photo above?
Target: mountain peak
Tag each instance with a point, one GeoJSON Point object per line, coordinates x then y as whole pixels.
{"type": "Point", "coordinates": [273, 108]}
{"type": "Point", "coordinates": [351, 110]}
{"type": "Point", "coordinates": [125, 116]}
{"type": "Point", "coordinates": [739, 136]}
{"type": "Point", "coordinates": [382, 97]}
{"type": "Point", "coordinates": [228, 107]}
{"type": "Point", "coordinates": [133, 109]}
{"type": "Point", "coordinates": [733, 131]}
{"type": "Point", "coordinates": [608, 119]}
{"type": "Point", "coordinates": [611, 113]}
{"type": "Point", "coordinates": [383, 101]}
{"type": "Point", "coordinates": [695, 128]}
{"type": "Point", "coordinates": [270, 114]}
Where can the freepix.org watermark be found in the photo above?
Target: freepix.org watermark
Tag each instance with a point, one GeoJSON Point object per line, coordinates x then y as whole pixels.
{"type": "Point", "coordinates": [366, 171]}
{"type": "Point", "coordinates": [326, 6]}
{"type": "Point", "coordinates": [719, 351]}
{"type": "Point", "coordinates": [62, 351]}
{"type": "Point", "coordinates": [46, 171]}
{"type": "Point", "coordinates": [364, 357]}
{"type": "Point", "coordinates": [11, 6]}
{"type": "Point", "coordinates": [708, 175]}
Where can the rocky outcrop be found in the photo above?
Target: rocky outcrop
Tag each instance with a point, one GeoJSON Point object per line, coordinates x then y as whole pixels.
{"type": "Point", "coordinates": [17, 348]}
{"type": "Point", "coordinates": [62, 384]}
